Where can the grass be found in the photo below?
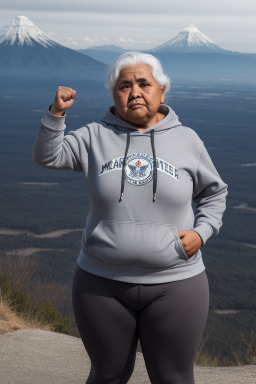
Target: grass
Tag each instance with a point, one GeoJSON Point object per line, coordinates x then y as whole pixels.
{"type": "Point", "coordinates": [245, 355]}
{"type": "Point", "coordinates": [11, 321]}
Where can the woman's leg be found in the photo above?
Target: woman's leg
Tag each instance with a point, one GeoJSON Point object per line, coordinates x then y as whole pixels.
{"type": "Point", "coordinates": [107, 327]}
{"type": "Point", "coordinates": [170, 328]}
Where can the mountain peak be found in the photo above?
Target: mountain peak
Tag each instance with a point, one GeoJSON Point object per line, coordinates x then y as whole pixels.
{"type": "Point", "coordinates": [195, 37]}
{"type": "Point", "coordinates": [191, 28]}
{"type": "Point", "coordinates": [22, 31]}
{"type": "Point", "coordinates": [190, 39]}
{"type": "Point", "coordinates": [23, 20]}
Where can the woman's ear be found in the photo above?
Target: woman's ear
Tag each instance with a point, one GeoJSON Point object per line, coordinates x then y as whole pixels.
{"type": "Point", "coordinates": [163, 94]}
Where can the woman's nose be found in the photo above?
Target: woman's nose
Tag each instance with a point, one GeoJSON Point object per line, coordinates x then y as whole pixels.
{"type": "Point", "coordinates": [135, 92]}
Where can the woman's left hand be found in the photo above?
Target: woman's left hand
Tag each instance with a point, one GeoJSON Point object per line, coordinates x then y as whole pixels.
{"type": "Point", "coordinates": [191, 241]}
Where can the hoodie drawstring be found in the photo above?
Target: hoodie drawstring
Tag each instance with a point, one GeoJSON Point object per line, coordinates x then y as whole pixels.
{"type": "Point", "coordinates": [154, 165]}
{"type": "Point", "coordinates": [124, 164]}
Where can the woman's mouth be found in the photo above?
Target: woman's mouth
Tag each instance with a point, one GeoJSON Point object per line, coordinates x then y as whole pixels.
{"type": "Point", "coordinates": [135, 105]}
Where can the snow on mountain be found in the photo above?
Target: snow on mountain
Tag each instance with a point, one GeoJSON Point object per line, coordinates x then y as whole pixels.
{"type": "Point", "coordinates": [21, 31]}
{"type": "Point", "coordinates": [190, 39]}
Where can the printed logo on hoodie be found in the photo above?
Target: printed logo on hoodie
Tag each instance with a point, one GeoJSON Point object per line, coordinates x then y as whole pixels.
{"type": "Point", "coordinates": [139, 168]}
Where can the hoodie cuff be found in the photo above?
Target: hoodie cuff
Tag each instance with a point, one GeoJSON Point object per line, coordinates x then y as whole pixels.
{"type": "Point", "coordinates": [54, 122]}
{"type": "Point", "coordinates": [204, 230]}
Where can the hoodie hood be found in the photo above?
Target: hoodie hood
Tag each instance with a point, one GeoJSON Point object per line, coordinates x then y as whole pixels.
{"type": "Point", "coordinates": [170, 121]}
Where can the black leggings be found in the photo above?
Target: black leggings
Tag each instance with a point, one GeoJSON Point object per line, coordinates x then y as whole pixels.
{"type": "Point", "coordinates": [168, 319]}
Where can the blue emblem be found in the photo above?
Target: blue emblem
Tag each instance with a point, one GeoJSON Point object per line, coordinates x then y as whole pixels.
{"type": "Point", "coordinates": [139, 168]}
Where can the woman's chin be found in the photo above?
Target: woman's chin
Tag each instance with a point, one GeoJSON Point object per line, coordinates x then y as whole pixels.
{"type": "Point", "coordinates": [137, 116]}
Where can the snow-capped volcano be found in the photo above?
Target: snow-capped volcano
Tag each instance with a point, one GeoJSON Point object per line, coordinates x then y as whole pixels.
{"type": "Point", "coordinates": [21, 31]}
{"type": "Point", "coordinates": [188, 40]}
{"type": "Point", "coordinates": [26, 50]}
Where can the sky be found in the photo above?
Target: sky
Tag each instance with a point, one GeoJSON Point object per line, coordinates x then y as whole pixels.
{"type": "Point", "coordinates": [137, 24]}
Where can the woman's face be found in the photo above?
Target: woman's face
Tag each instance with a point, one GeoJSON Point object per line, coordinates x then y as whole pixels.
{"type": "Point", "coordinates": [138, 96]}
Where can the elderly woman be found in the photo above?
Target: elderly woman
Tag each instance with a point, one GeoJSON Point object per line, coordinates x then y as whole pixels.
{"type": "Point", "coordinates": [140, 274]}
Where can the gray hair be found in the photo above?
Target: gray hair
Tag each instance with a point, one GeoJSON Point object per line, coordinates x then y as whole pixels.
{"type": "Point", "coordinates": [132, 58]}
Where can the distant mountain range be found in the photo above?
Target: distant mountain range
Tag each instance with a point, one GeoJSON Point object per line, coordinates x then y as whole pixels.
{"type": "Point", "coordinates": [28, 51]}
{"type": "Point", "coordinates": [189, 40]}
{"type": "Point", "coordinates": [190, 56]}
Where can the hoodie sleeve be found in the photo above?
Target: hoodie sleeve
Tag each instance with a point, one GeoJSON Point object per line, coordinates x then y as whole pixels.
{"type": "Point", "coordinates": [209, 195]}
{"type": "Point", "coordinates": [54, 150]}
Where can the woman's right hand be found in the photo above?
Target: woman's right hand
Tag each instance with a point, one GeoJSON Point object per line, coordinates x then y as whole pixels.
{"type": "Point", "coordinates": [63, 100]}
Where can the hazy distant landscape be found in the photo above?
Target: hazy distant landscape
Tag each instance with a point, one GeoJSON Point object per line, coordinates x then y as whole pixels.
{"type": "Point", "coordinates": [35, 203]}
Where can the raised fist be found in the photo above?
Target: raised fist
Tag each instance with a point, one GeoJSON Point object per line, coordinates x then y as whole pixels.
{"type": "Point", "coordinates": [63, 100]}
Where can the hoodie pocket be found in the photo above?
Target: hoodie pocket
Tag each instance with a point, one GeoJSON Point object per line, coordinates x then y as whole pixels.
{"type": "Point", "coordinates": [149, 245]}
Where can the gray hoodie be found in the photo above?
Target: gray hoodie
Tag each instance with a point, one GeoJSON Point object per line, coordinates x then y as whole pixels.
{"type": "Point", "coordinates": [136, 209]}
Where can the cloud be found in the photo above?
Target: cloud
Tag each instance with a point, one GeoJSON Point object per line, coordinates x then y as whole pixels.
{"type": "Point", "coordinates": [88, 39]}
{"type": "Point", "coordinates": [124, 40]}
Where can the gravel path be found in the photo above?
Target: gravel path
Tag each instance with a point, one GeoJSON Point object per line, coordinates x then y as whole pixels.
{"type": "Point", "coordinates": [41, 357]}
